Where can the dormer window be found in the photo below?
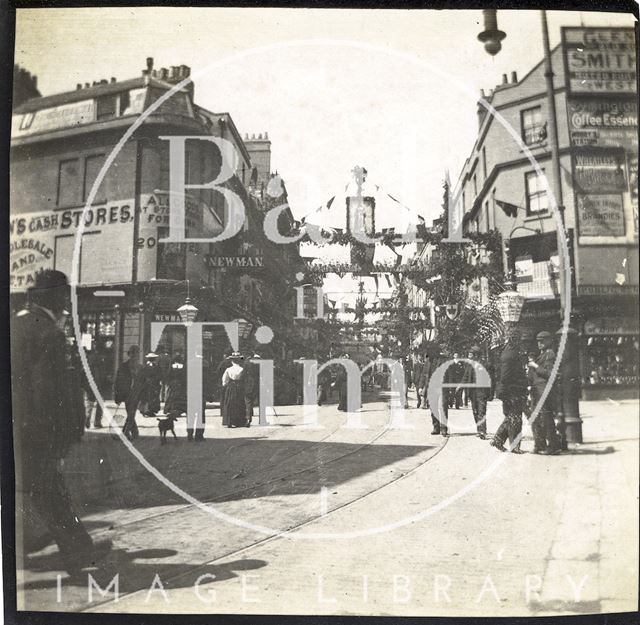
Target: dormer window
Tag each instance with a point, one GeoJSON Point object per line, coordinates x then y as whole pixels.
{"type": "Point", "coordinates": [107, 106]}
{"type": "Point", "coordinates": [112, 105]}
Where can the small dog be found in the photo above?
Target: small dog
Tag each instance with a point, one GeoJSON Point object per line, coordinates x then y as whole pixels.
{"type": "Point", "coordinates": [166, 425]}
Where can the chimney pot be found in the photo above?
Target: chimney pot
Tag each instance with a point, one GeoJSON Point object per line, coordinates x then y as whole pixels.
{"type": "Point", "coordinates": [86, 85]}
{"type": "Point", "coordinates": [104, 81]}
{"type": "Point", "coordinates": [149, 63]}
{"type": "Point", "coordinates": [164, 73]}
{"type": "Point", "coordinates": [482, 94]}
{"type": "Point", "coordinates": [504, 79]}
{"type": "Point", "coordinates": [266, 135]}
{"type": "Point", "coordinates": [260, 136]}
{"type": "Point", "coordinates": [78, 86]}
{"type": "Point", "coordinates": [174, 71]}
{"type": "Point", "coordinates": [113, 79]}
{"type": "Point", "coordinates": [514, 77]}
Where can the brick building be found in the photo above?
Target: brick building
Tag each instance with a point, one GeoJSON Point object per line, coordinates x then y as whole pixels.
{"type": "Point", "coordinates": [596, 101]}
{"type": "Point", "coordinates": [127, 277]}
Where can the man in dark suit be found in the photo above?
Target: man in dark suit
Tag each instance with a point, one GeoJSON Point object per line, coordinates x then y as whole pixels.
{"type": "Point", "coordinates": [511, 388]}
{"type": "Point", "coordinates": [47, 420]}
{"type": "Point", "coordinates": [546, 439]}
{"type": "Point", "coordinates": [477, 395]}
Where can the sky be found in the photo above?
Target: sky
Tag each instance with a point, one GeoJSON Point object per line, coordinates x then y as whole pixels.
{"type": "Point", "coordinates": [392, 90]}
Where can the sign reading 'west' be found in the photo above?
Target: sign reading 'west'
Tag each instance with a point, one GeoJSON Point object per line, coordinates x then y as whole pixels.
{"type": "Point", "coordinates": [600, 60]}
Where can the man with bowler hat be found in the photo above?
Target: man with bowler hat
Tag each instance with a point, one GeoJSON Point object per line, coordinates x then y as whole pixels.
{"type": "Point", "coordinates": [47, 421]}
{"type": "Point", "coordinates": [546, 439]}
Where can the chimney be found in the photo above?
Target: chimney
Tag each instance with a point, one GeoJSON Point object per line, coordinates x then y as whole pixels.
{"type": "Point", "coordinates": [482, 96]}
{"type": "Point", "coordinates": [514, 78]}
{"type": "Point", "coordinates": [185, 71]}
{"type": "Point", "coordinates": [174, 72]}
{"type": "Point", "coordinates": [104, 81]}
{"type": "Point", "coordinates": [504, 79]}
{"type": "Point", "coordinates": [78, 86]}
{"type": "Point", "coordinates": [164, 73]}
{"type": "Point", "coordinates": [113, 79]}
{"type": "Point", "coordinates": [147, 72]}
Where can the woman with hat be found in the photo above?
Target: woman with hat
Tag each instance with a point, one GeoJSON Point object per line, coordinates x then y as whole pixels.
{"type": "Point", "coordinates": [233, 383]}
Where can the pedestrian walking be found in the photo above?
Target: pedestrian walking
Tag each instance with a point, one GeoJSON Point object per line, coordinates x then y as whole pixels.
{"type": "Point", "coordinates": [164, 364]}
{"type": "Point", "coordinates": [454, 375]}
{"type": "Point", "coordinates": [250, 387]}
{"type": "Point", "coordinates": [222, 367]}
{"type": "Point", "coordinates": [546, 439]}
{"type": "Point", "coordinates": [342, 385]}
{"type": "Point", "coordinates": [98, 365]}
{"type": "Point", "coordinates": [427, 368]}
{"type": "Point", "coordinates": [478, 396]}
{"type": "Point", "coordinates": [48, 420]}
{"type": "Point", "coordinates": [233, 381]}
{"type": "Point", "coordinates": [407, 364]}
{"type": "Point", "coordinates": [511, 389]}
{"type": "Point", "coordinates": [418, 374]}
{"type": "Point", "coordinates": [122, 387]}
{"type": "Point", "coordinates": [144, 395]}
{"type": "Point", "coordinates": [440, 423]}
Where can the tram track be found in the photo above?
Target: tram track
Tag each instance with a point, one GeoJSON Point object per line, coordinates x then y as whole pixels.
{"type": "Point", "coordinates": [241, 551]}
{"type": "Point", "coordinates": [256, 486]}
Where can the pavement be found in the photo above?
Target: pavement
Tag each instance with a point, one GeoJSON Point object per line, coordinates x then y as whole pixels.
{"type": "Point", "coordinates": [288, 519]}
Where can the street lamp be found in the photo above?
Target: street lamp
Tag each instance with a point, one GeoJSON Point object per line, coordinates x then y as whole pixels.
{"type": "Point", "coordinates": [188, 312]}
{"type": "Point", "coordinates": [491, 36]}
{"type": "Point", "coordinates": [510, 304]}
{"type": "Point", "coordinates": [568, 405]}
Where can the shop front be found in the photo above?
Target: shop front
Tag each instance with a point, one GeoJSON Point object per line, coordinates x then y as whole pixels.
{"type": "Point", "coordinates": [609, 341]}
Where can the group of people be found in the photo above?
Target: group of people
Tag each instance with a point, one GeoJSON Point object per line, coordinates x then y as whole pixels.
{"type": "Point", "coordinates": [518, 382]}
{"type": "Point", "coordinates": [141, 386]}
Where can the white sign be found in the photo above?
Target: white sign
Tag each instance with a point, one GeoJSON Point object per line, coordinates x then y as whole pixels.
{"type": "Point", "coordinates": [600, 60]}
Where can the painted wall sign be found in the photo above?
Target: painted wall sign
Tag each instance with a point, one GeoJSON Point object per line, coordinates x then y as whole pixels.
{"type": "Point", "coordinates": [600, 60]}
{"type": "Point", "coordinates": [603, 122]}
{"type": "Point", "coordinates": [600, 215]}
{"type": "Point", "coordinates": [63, 116]}
{"type": "Point", "coordinates": [216, 262]}
{"type": "Point", "coordinates": [46, 240]}
{"type": "Point", "coordinates": [600, 171]}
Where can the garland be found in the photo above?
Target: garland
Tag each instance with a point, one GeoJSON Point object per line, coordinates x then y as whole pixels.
{"type": "Point", "coordinates": [491, 240]}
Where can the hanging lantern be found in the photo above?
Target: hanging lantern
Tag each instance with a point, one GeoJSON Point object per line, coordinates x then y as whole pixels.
{"type": "Point", "coordinates": [510, 305]}
{"type": "Point", "coordinates": [188, 312]}
{"type": "Point", "coordinates": [491, 36]}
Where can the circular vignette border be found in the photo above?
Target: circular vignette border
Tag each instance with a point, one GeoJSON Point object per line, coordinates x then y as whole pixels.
{"type": "Point", "coordinates": [208, 508]}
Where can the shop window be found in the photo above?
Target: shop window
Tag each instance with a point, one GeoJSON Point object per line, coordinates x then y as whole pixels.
{"type": "Point", "coordinates": [533, 129]}
{"type": "Point", "coordinates": [69, 183]}
{"type": "Point", "coordinates": [172, 258]}
{"type": "Point", "coordinates": [610, 359]}
{"type": "Point", "coordinates": [92, 166]}
{"type": "Point", "coordinates": [537, 199]}
{"type": "Point", "coordinates": [107, 106]}
{"type": "Point", "coordinates": [484, 162]}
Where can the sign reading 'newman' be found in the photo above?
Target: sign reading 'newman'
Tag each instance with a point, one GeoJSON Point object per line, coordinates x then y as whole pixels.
{"type": "Point", "coordinates": [600, 60]}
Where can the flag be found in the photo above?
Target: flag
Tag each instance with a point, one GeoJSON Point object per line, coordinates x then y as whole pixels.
{"type": "Point", "coordinates": [510, 210]}
{"type": "Point", "coordinates": [330, 202]}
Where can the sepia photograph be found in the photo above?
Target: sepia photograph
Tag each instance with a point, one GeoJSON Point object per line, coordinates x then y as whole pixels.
{"type": "Point", "coordinates": [322, 312]}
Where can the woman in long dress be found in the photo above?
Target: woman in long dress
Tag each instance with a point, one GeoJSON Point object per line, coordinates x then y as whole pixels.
{"type": "Point", "coordinates": [233, 382]}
